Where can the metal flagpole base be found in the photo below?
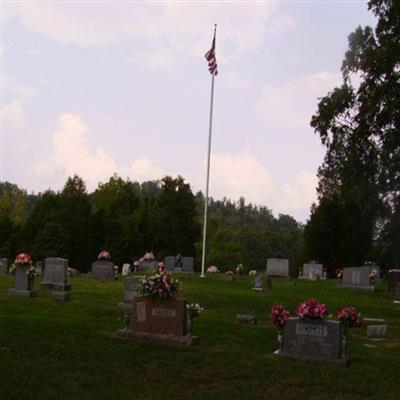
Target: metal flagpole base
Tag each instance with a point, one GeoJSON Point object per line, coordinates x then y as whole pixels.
{"type": "Point", "coordinates": [202, 276]}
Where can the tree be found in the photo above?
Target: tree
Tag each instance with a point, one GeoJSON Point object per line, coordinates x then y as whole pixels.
{"type": "Point", "coordinates": [359, 128]}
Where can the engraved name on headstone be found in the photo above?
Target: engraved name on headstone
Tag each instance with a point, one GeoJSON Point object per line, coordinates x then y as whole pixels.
{"type": "Point", "coordinates": [55, 274]}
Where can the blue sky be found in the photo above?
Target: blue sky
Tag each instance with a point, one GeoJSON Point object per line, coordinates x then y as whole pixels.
{"type": "Point", "coordinates": [100, 87]}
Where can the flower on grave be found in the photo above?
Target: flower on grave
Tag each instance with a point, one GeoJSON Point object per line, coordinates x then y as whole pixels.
{"type": "Point", "coordinates": [24, 260]}
{"type": "Point", "coordinates": [339, 273]}
{"type": "Point", "coordinates": [373, 274]}
{"type": "Point", "coordinates": [104, 255]}
{"type": "Point", "coordinates": [279, 315]}
{"type": "Point", "coordinates": [240, 269]}
{"type": "Point", "coordinates": [161, 266]}
{"type": "Point", "coordinates": [194, 310]}
{"type": "Point", "coordinates": [311, 309]}
{"type": "Point", "coordinates": [213, 269]}
{"type": "Point", "coordinates": [253, 272]}
{"type": "Point", "coordinates": [159, 284]}
{"type": "Point", "coordinates": [349, 317]}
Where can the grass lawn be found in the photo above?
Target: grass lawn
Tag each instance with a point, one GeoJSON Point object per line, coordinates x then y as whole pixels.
{"type": "Point", "coordinates": [69, 350]}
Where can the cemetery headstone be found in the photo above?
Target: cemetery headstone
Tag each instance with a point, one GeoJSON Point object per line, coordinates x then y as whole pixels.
{"type": "Point", "coordinates": [188, 264]}
{"type": "Point", "coordinates": [358, 278]}
{"type": "Point", "coordinates": [169, 263]}
{"type": "Point", "coordinates": [318, 340]}
{"type": "Point", "coordinates": [3, 266]}
{"type": "Point", "coordinates": [132, 286]}
{"type": "Point", "coordinates": [278, 267]}
{"type": "Point", "coordinates": [393, 279]}
{"type": "Point", "coordinates": [23, 286]}
{"type": "Point", "coordinates": [125, 269]}
{"type": "Point", "coordinates": [39, 267]}
{"type": "Point", "coordinates": [313, 271]}
{"type": "Point", "coordinates": [147, 266]}
{"type": "Point", "coordinates": [56, 274]}
{"type": "Point", "coordinates": [246, 319]}
{"type": "Point", "coordinates": [258, 283]}
{"type": "Point", "coordinates": [376, 331]}
{"type": "Point", "coordinates": [103, 269]}
{"type": "Point", "coordinates": [165, 317]}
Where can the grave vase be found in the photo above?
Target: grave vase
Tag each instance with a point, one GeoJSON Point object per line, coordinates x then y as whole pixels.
{"type": "Point", "coordinates": [189, 325]}
{"type": "Point", "coordinates": [280, 339]}
{"type": "Point", "coordinates": [345, 346]}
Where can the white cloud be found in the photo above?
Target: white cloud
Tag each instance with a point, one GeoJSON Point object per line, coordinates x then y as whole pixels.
{"type": "Point", "coordinates": [13, 115]}
{"type": "Point", "coordinates": [297, 98]}
{"type": "Point", "coordinates": [165, 30]}
{"type": "Point", "coordinates": [13, 88]}
{"type": "Point", "coordinates": [71, 153]}
{"type": "Point", "coordinates": [233, 176]}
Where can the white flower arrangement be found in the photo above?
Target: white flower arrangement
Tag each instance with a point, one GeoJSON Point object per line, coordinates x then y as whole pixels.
{"type": "Point", "coordinates": [194, 310]}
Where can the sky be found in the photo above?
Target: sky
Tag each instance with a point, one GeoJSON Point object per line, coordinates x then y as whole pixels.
{"type": "Point", "coordinates": [99, 87]}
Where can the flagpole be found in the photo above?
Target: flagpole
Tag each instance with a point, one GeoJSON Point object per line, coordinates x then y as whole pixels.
{"type": "Point", "coordinates": [208, 171]}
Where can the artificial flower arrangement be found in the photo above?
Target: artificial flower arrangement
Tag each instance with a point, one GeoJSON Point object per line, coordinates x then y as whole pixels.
{"type": "Point", "coordinates": [311, 309]}
{"type": "Point", "coordinates": [104, 255]}
{"type": "Point", "coordinates": [279, 315]}
{"type": "Point", "coordinates": [253, 272]}
{"type": "Point", "coordinates": [373, 275]}
{"type": "Point", "coordinates": [213, 269]}
{"type": "Point", "coordinates": [159, 284]}
{"type": "Point", "coordinates": [349, 317]}
{"type": "Point", "coordinates": [240, 269]}
{"type": "Point", "coordinates": [339, 273]}
{"type": "Point", "coordinates": [194, 310]}
{"type": "Point", "coordinates": [24, 260]}
{"type": "Point", "coordinates": [161, 267]}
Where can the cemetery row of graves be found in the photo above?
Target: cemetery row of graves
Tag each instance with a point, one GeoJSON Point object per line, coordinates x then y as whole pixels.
{"type": "Point", "coordinates": [240, 333]}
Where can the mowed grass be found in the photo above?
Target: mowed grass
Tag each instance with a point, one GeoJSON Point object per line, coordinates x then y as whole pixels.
{"type": "Point", "coordinates": [69, 350]}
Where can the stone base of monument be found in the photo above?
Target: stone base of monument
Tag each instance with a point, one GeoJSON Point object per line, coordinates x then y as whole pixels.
{"type": "Point", "coordinates": [246, 319]}
{"type": "Point", "coordinates": [56, 286]}
{"type": "Point", "coordinates": [344, 362]}
{"type": "Point", "coordinates": [370, 288]}
{"type": "Point", "coordinates": [256, 289]}
{"type": "Point", "coordinates": [60, 295]}
{"type": "Point", "coordinates": [21, 293]}
{"type": "Point", "coordinates": [156, 337]}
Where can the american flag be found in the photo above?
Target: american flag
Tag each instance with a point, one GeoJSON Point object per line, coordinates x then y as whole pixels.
{"type": "Point", "coordinates": [212, 61]}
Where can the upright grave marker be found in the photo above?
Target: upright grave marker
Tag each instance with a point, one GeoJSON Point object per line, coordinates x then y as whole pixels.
{"type": "Point", "coordinates": [56, 274]}
{"type": "Point", "coordinates": [3, 266]}
{"type": "Point", "coordinates": [393, 279]}
{"type": "Point", "coordinates": [188, 264]}
{"type": "Point", "coordinates": [23, 285]}
{"type": "Point", "coordinates": [318, 340]}
{"type": "Point", "coordinates": [103, 269]}
{"type": "Point", "coordinates": [132, 286]}
{"type": "Point", "coordinates": [169, 262]}
{"type": "Point", "coordinates": [357, 278]}
{"type": "Point", "coordinates": [278, 267]}
{"type": "Point", "coordinates": [313, 271]}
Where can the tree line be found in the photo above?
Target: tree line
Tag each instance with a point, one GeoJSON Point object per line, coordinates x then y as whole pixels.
{"type": "Point", "coordinates": [127, 219]}
{"type": "Point", "coordinates": [357, 217]}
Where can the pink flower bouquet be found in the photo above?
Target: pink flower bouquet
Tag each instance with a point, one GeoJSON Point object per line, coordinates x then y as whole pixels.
{"type": "Point", "coordinates": [349, 317]}
{"type": "Point", "coordinates": [311, 309]}
{"type": "Point", "coordinates": [279, 315]}
{"type": "Point", "coordinates": [104, 255]}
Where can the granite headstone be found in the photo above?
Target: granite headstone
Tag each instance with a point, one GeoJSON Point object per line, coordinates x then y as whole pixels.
{"type": "Point", "coordinates": [132, 286]}
{"type": "Point", "coordinates": [169, 263]}
{"type": "Point", "coordinates": [56, 274]}
{"type": "Point", "coordinates": [313, 339]}
{"type": "Point", "coordinates": [313, 271]}
{"type": "Point", "coordinates": [357, 277]}
{"type": "Point", "coordinates": [278, 267]}
{"type": "Point", "coordinates": [23, 286]}
{"type": "Point", "coordinates": [103, 269]}
{"type": "Point", "coordinates": [188, 264]}
{"type": "Point", "coordinates": [3, 266]}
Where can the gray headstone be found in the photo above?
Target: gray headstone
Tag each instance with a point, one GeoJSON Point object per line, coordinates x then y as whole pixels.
{"type": "Point", "coordinates": [169, 263]}
{"type": "Point", "coordinates": [132, 286]}
{"type": "Point", "coordinates": [39, 267]}
{"type": "Point", "coordinates": [258, 283]}
{"type": "Point", "coordinates": [187, 264]}
{"type": "Point", "coordinates": [102, 269]}
{"type": "Point", "coordinates": [246, 319]}
{"type": "Point", "coordinates": [55, 274]}
{"type": "Point", "coordinates": [357, 277]}
{"type": "Point", "coordinates": [3, 266]}
{"type": "Point", "coordinates": [148, 266]}
{"type": "Point", "coordinates": [312, 271]}
{"type": "Point", "coordinates": [318, 340]}
{"type": "Point", "coordinates": [376, 331]}
{"type": "Point", "coordinates": [125, 269]}
{"type": "Point", "coordinates": [278, 267]}
{"type": "Point", "coordinates": [23, 287]}
{"type": "Point", "coordinates": [393, 279]}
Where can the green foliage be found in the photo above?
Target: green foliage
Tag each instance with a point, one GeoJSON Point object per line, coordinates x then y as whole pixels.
{"type": "Point", "coordinates": [359, 126]}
